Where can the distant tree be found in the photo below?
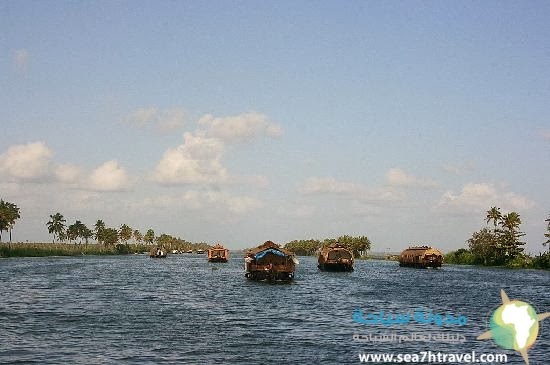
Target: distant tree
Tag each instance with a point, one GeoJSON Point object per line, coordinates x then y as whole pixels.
{"type": "Point", "coordinates": [77, 230]}
{"type": "Point", "coordinates": [138, 236]}
{"type": "Point", "coordinates": [125, 233]}
{"type": "Point", "coordinates": [494, 215]}
{"type": "Point", "coordinates": [99, 228]}
{"type": "Point", "coordinates": [9, 214]}
{"type": "Point", "coordinates": [509, 238]}
{"type": "Point", "coordinates": [87, 233]}
{"type": "Point", "coordinates": [484, 247]}
{"type": "Point", "coordinates": [149, 236]}
{"type": "Point", "coordinates": [547, 234]}
{"type": "Point", "coordinates": [110, 236]}
{"type": "Point", "coordinates": [56, 226]}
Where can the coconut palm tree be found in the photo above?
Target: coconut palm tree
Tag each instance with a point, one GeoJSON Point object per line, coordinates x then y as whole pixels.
{"type": "Point", "coordinates": [9, 213]}
{"type": "Point", "coordinates": [511, 221]}
{"type": "Point", "coordinates": [494, 215]}
{"type": "Point", "coordinates": [99, 228]}
{"type": "Point", "coordinates": [125, 233]}
{"type": "Point", "coordinates": [56, 226]}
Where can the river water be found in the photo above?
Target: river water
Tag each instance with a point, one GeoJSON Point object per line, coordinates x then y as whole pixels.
{"type": "Point", "coordinates": [184, 310]}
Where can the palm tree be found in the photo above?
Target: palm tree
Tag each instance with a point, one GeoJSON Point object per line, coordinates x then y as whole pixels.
{"type": "Point", "coordinates": [138, 236]}
{"type": "Point", "coordinates": [494, 215]}
{"type": "Point", "coordinates": [99, 228]}
{"type": "Point", "coordinates": [511, 221]}
{"type": "Point", "coordinates": [56, 226]}
{"type": "Point", "coordinates": [149, 236]}
{"type": "Point", "coordinates": [125, 233]}
{"type": "Point", "coordinates": [9, 213]}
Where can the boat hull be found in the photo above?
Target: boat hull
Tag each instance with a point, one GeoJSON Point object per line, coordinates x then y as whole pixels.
{"type": "Point", "coordinates": [336, 267]}
{"type": "Point", "coordinates": [217, 259]}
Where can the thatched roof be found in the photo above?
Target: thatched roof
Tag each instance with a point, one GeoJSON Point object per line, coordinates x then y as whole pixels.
{"type": "Point", "coordinates": [218, 246]}
{"type": "Point", "coordinates": [426, 250]}
{"type": "Point", "coordinates": [266, 246]}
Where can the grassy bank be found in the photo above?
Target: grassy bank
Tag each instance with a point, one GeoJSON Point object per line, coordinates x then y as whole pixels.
{"type": "Point", "coordinates": [63, 249]}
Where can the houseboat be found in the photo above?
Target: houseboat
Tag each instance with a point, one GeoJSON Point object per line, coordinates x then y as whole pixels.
{"type": "Point", "coordinates": [421, 257]}
{"type": "Point", "coordinates": [218, 253]}
{"type": "Point", "coordinates": [270, 262]}
{"type": "Point", "coordinates": [335, 258]}
{"type": "Point", "coordinates": [157, 253]}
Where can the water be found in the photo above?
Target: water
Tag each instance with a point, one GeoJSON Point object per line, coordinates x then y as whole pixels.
{"type": "Point", "coordinates": [184, 310]}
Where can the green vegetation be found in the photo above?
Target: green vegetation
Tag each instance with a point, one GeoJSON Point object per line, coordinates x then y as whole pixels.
{"type": "Point", "coordinates": [9, 214]}
{"type": "Point", "coordinates": [501, 245]}
{"type": "Point", "coordinates": [358, 245]}
{"type": "Point", "coordinates": [110, 241]}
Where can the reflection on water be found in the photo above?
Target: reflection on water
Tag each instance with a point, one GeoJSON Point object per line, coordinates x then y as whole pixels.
{"type": "Point", "coordinates": [133, 309]}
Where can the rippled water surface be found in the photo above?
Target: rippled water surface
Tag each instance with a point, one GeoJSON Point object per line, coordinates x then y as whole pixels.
{"type": "Point", "coordinates": [184, 310]}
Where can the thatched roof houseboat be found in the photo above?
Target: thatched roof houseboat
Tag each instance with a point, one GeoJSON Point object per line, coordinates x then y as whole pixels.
{"type": "Point", "coordinates": [421, 256]}
{"type": "Point", "coordinates": [335, 258]}
{"type": "Point", "coordinates": [270, 262]}
{"type": "Point", "coordinates": [218, 253]}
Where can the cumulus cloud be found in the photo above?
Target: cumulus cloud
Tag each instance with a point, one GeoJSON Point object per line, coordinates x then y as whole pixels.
{"type": "Point", "coordinates": [21, 59]}
{"type": "Point", "coordinates": [239, 128]}
{"type": "Point", "coordinates": [108, 177]}
{"type": "Point", "coordinates": [197, 160]}
{"type": "Point", "coordinates": [31, 161]}
{"type": "Point", "coordinates": [478, 196]}
{"type": "Point", "coordinates": [165, 120]}
{"type": "Point", "coordinates": [358, 192]}
{"type": "Point", "coordinates": [206, 201]}
{"type": "Point", "coordinates": [68, 174]}
{"type": "Point", "coordinates": [398, 177]}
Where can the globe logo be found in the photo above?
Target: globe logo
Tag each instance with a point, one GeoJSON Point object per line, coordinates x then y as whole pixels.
{"type": "Point", "coordinates": [514, 325]}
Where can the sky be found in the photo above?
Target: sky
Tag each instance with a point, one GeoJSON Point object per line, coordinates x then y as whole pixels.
{"type": "Point", "coordinates": [244, 121]}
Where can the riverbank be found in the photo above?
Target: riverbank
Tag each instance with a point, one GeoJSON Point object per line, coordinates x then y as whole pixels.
{"type": "Point", "coordinates": [67, 249]}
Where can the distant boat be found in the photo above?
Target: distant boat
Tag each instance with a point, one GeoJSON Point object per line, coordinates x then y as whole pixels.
{"type": "Point", "coordinates": [218, 253]}
{"type": "Point", "coordinates": [189, 251]}
{"type": "Point", "coordinates": [270, 262]}
{"type": "Point", "coordinates": [421, 257]}
{"type": "Point", "coordinates": [157, 253]}
{"type": "Point", "coordinates": [200, 252]}
{"type": "Point", "coordinates": [335, 258]}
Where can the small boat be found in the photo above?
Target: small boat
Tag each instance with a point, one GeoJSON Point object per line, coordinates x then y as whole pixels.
{"type": "Point", "coordinates": [200, 252]}
{"type": "Point", "coordinates": [421, 257]}
{"type": "Point", "coordinates": [270, 262]}
{"type": "Point", "coordinates": [189, 251]}
{"type": "Point", "coordinates": [157, 253]}
{"type": "Point", "coordinates": [218, 253]}
{"type": "Point", "coordinates": [335, 258]}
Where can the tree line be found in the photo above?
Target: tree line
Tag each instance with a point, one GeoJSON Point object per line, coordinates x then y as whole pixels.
{"type": "Point", "coordinates": [501, 244]}
{"type": "Point", "coordinates": [358, 245]}
{"type": "Point", "coordinates": [109, 236]}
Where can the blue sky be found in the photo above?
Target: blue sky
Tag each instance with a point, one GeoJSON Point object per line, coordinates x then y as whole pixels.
{"type": "Point", "coordinates": [245, 121]}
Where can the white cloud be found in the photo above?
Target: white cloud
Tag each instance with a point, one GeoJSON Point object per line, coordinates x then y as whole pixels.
{"type": "Point", "coordinates": [207, 201]}
{"type": "Point", "coordinates": [21, 59]}
{"type": "Point", "coordinates": [165, 120]}
{"type": "Point", "coordinates": [235, 204]}
{"type": "Point", "coordinates": [480, 196]}
{"type": "Point", "coordinates": [26, 162]}
{"type": "Point", "coordinates": [358, 192]}
{"type": "Point", "coordinates": [197, 160]}
{"type": "Point", "coordinates": [398, 177]}
{"type": "Point", "coordinates": [108, 177]}
{"type": "Point", "coordinates": [68, 174]}
{"type": "Point", "coordinates": [239, 128]}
